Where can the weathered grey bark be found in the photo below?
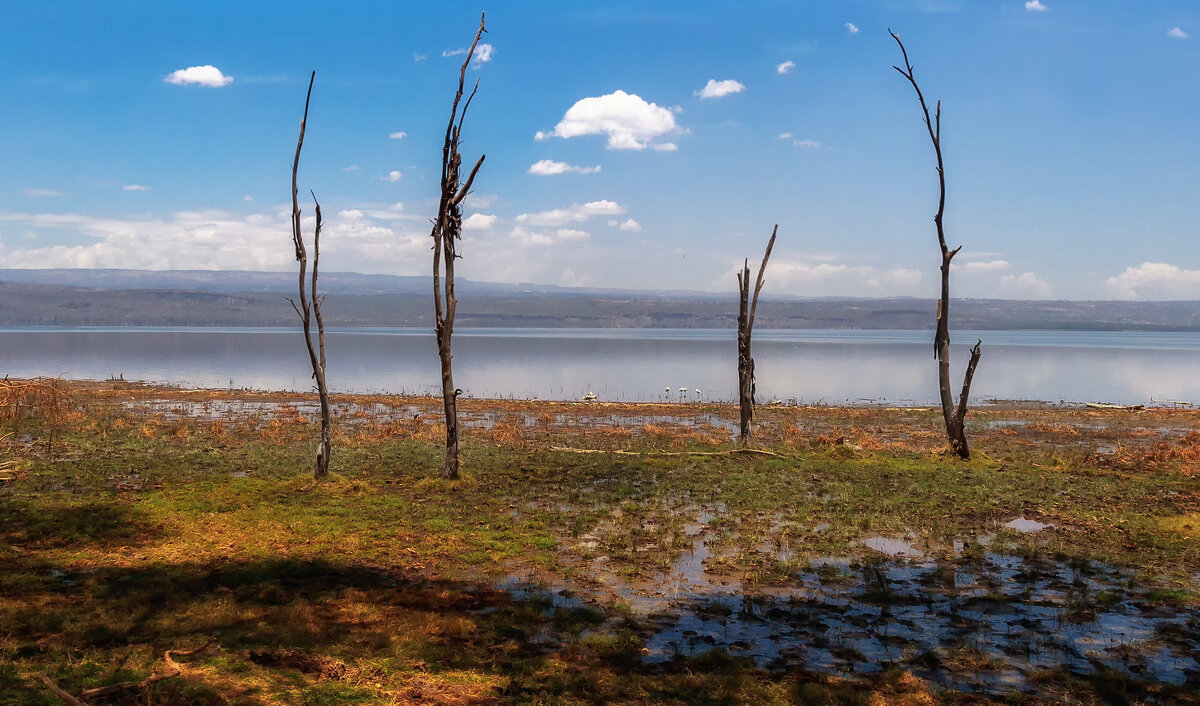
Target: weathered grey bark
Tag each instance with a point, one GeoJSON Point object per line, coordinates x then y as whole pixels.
{"type": "Point", "coordinates": [746, 309]}
{"type": "Point", "coordinates": [309, 308]}
{"type": "Point", "coordinates": [447, 230]}
{"type": "Point", "coordinates": [953, 415]}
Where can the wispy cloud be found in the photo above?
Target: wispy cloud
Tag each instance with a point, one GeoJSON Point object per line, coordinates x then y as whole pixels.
{"type": "Point", "coordinates": [352, 168]}
{"type": "Point", "coordinates": [137, 187]}
{"type": "Point", "coordinates": [483, 54]}
{"type": "Point", "coordinates": [630, 122]}
{"type": "Point", "coordinates": [807, 144]}
{"type": "Point", "coordinates": [417, 56]}
{"type": "Point", "coordinates": [575, 213]}
{"type": "Point", "coordinates": [719, 89]}
{"type": "Point", "coordinates": [398, 135]}
{"type": "Point", "coordinates": [786, 67]}
{"type": "Point", "coordinates": [206, 75]}
{"type": "Point", "coordinates": [1036, 6]}
{"type": "Point", "coordinates": [548, 167]}
{"type": "Point", "coordinates": [982, 266]}
{"type": "Point", "coordinates": [392, 176]}
{"type": "Point", "coordinates": [1178, 33]}
{"type": "Point", "coordinates": [851, 28]}
{"type": "Point", "coordinates": [41, 192]}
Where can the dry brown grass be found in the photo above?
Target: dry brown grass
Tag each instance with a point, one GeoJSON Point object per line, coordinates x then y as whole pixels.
{"type": "Point", "coordinates": [49, 398]}
{"type": "Point", "coordinates": [507, 434]}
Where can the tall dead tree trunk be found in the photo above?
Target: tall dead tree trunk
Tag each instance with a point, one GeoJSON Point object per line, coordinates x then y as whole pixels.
{"type": "Point", "coordinates": [746, 310]}
{"type": "Point", "coordinates": [953, 414]}
{"type": "Point", "coordinates": [447, 230]}
{"type": "Point", "coordinates": [309, 308]}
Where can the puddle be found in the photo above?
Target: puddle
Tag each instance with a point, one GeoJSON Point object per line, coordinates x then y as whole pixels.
{"type": "Point", "coordinates": [983, 623]}
{"type": "Point", "coordinates": [1023, 525]}
{"type": "Point", "coordinates": [890, 546]}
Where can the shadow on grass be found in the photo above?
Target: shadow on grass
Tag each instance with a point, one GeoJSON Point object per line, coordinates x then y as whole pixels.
{"type": "Point", "coordinates": [301, 631]}
{"type": "Point", "coordinates": [30, 526]}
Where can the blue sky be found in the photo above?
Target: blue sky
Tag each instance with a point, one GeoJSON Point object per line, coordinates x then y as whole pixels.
{"type": "Point", "coordinates": [672, 137]}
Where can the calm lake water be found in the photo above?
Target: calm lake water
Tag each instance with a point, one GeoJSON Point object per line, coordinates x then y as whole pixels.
{"type": "Point", "coordinates": [630, 364]}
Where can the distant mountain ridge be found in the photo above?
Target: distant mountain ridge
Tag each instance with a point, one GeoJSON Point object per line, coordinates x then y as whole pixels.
{"type": "Point", "coordinates": [210, 298]}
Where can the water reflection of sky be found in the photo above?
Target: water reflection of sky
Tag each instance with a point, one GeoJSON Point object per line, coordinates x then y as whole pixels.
{"type": "Point", "coordinates": [630, 364]}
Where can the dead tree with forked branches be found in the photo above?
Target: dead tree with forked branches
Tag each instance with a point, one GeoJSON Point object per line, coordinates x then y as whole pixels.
{"type": "Point", "coordinates": [309, 308]}
{"type": "Point", "coordinates": [954, 414]}
{"type": "Point", "coordinates": [447, 231]}
{"type": "Point", "coordinates": [746, 311]}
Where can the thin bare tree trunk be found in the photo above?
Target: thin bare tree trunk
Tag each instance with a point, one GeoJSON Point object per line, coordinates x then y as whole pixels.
{"type": "Point", "coordinates": [447, 230]}
{"type": "Point", "coordinates": [953, 415]}
{"type": "Point", "coordinates": [310, 302]}
{"type": "Point", "coordinates": [746, 310]}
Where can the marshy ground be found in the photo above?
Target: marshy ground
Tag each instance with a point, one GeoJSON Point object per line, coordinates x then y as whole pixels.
{"type": "Point", "coordinates": [857, 564]}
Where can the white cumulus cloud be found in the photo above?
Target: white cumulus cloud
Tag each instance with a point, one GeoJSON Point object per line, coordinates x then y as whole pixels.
{"type": "Point", "coordinates": [1178, 33]}
{"type": "Point", "coordinates": [785, 67]}
{"type": "Point", "coordinates": [575, 213]}
{"type": "Point", "coordinates": [853, 28]}
{"type": "Point", "coordinates": [479, 221]}
{"type": "Point", "coordinates": [718, 89]}
{"type": "Point", "coordinates": [570, 279]}
{"type": "Point", "coordinates": [137, 187]}
{"type": "Point", "coordinates": [548, 167]}
{"type": "Point", "coordinates": [206, 75]}
{"type": "Point", "coordinates": [631, 226]}
{"type": "Point", "coordinates": [572, 234]}
{"type": "Point", "coordinates": [629, 122]}
{"type": "Point", "coordinates": [218, 240]}
{"type": "Point", "coordinates": [526, 238]}
{"type": "Point", "coordinates": [1027, 284]}
{"type": "Point", "coordinates": [392, 176]}
{"type": "Point", "coordinates": [1036, 6]}
{"type": "Point", "coordinates": [398, 135]}
{"type": "Point", "coordinates": [1155, 280]}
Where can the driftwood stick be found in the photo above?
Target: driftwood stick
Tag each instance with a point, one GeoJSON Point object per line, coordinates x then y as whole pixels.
{"type": "Point", "coordinates": [173, 670]}
{"type": "Point", "coordinates": [60, 693]}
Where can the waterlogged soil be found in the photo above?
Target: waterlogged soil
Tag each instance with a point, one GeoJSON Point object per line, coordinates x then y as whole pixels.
{"type": "Point", "coordinates": [1063, 554]}
{"type": "Point", "coordinates": [962, 616]}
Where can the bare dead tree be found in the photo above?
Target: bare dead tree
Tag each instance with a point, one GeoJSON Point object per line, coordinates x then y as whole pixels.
{"type": "Point", "coordinates": [746, 311]}
{"type": "Point", "coordinates": [309, 308]}
{"type": "Point", "coordinates": [954, 415]}
{"type": "Point", "coordinates": [447, 231]}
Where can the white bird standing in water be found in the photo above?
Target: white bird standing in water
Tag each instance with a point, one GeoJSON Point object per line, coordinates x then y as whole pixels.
{"type": "Point", "coordinates": [682, 394]}
{"type": "Point", "coordinates": [699, 394]}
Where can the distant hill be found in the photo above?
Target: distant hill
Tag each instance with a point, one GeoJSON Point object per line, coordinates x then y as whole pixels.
{"type": "Point", "coordinates": [204, 298]}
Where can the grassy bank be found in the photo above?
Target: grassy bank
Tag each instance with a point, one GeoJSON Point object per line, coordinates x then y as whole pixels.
{"type": "Point", "coordinates": [160, 519]}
